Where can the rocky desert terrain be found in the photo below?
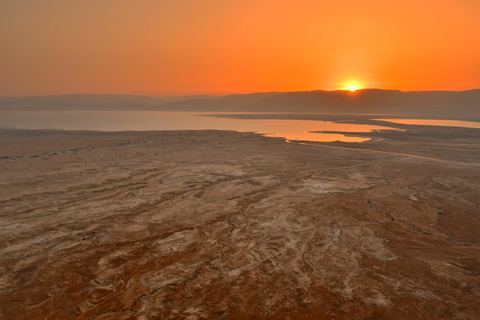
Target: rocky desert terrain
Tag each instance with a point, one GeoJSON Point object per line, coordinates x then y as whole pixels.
{"type": "Point", "coordinates": [229, 225]}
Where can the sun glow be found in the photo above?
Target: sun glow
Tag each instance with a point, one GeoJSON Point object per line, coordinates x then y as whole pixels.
{"type": "Point", "coordinates": [352, 85]}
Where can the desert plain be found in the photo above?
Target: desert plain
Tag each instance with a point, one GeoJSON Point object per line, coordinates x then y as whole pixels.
{"type": "Point", "coordinates": [230, 225]}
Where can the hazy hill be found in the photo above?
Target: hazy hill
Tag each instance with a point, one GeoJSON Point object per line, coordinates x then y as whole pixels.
{"type": "Point", "coordinates": [362, 101]}
{"type": "Point", "coordinates": [87, 102]}
{"type": "Point", "coordinates": [456, 104]}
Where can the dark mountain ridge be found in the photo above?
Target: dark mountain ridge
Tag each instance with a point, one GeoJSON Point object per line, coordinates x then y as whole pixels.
{"type": "Point", "coordinates": [365, 101]}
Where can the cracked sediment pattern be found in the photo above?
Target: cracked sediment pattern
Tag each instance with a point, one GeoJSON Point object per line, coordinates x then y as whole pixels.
{"type": "Point", "coordinates": [225, 225]}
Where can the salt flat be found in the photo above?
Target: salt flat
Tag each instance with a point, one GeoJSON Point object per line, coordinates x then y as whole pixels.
{"type": "Point", "coordinates": [228, 225]}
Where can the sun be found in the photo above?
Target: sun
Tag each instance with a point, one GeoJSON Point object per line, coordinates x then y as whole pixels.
{"type": "Point", "coordinates": [352, 85]}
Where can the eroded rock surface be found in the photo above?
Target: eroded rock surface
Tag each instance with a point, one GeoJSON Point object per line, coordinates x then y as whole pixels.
{"type": "Point", "coordinates": [225, 225]}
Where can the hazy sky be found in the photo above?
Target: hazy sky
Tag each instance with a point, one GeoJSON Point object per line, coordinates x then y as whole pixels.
{"type": "Point", "coordinates": [174, 47]}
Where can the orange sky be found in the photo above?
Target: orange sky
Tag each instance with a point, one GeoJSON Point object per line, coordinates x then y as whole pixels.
{"type": "Point", "coordinates": [176, 47]}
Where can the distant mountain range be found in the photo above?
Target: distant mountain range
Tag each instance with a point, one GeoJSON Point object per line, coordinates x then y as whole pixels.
{"type": "Point", "coordinates": [90, 102]}
{"type": "Point", "coordinates": [366, 101]}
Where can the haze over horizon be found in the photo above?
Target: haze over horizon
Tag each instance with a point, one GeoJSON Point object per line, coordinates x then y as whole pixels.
{"type": "Point", "coordinates": [167, 48]}
{"type": "Point", "coordinates": [207, 95]}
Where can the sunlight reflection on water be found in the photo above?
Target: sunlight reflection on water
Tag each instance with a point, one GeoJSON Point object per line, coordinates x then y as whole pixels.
{"type": "Point", "coordinates": [429, 122]}
{"type": "Point", "coordinates": [159, 120]}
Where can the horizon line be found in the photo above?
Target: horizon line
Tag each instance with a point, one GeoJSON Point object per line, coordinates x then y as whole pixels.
{"type": "Point", "coordinates": [229, 94]}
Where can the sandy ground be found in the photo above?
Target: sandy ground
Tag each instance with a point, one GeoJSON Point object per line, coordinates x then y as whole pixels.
{"type": "Point", "coordinates": [227, 225]}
